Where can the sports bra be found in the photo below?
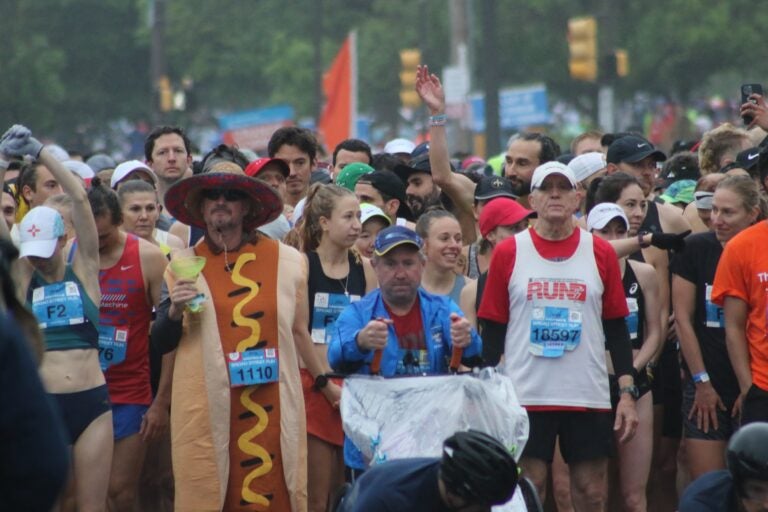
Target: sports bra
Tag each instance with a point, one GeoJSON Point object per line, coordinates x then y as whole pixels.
{"type": "Point", "coordinates": [66, 315]}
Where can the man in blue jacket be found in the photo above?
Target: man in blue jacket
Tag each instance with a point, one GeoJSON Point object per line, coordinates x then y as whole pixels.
{"type": "Point", "coordinates": [398, 329]}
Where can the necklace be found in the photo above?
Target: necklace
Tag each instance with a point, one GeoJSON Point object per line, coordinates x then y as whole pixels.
{"type": "Point", "coordinates": [344, 284]}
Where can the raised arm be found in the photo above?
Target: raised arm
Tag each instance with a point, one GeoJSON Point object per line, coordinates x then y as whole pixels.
{"type": "Point", "coordinates": [459, 188]}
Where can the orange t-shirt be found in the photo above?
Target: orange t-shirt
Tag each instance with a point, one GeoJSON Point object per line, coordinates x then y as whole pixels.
{"type": "Point", "coordinates": [743, 273]}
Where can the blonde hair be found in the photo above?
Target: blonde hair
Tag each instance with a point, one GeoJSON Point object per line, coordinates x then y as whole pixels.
{"type": "Point", "coordinates": [746, 188]}
{"type": "Point", "coordinates": [717, 143]}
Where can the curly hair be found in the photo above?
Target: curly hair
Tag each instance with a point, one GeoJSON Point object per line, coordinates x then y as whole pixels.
{"type": "Point", "coordinates": [717, 143]}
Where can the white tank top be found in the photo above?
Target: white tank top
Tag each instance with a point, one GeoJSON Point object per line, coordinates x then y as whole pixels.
{"type": "Point", "coordinates": [555, 345]}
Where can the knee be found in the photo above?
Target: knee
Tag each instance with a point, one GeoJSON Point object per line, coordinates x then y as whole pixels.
{"type": "Point", "coordinates": [634, 500]}
{"type": "Point", "coordinates": [592, 493]}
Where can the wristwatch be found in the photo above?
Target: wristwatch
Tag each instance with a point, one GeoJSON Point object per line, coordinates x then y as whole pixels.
{"type": "Point", "coordinates": [643, 245]}
{"type": "Point", "coordinates": [320, 382]}
{"type": "Point", "coordinates": [700, 377]}
{"type": "Point", "coordinates": [631, 390]}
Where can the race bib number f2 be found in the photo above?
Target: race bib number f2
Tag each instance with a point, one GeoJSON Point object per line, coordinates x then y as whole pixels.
{"type": "Point", "coordinates": [554, 330]}
{"type": "Point", "coordinates": [58, 305]}
{"type": "Point", "coordinates": [113, 345]}
{"type": "Point", "coordinates": [253, 367]}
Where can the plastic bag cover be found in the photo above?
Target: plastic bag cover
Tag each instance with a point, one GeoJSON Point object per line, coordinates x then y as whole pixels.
{"type": "Point", "coordinates": [412, 416]}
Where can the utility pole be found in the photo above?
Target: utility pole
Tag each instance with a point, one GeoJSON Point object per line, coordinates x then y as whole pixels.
{"type": "Point", "coordinates": [607, 42]}
{"type": "Point", "coordinates": [459, 60]}
{"type": "Point", "coordinates": [158, 66]}
{"type": "Point", "coordinates": [490, 79]}
{"type": "Point", "coordinates": [318, 68]}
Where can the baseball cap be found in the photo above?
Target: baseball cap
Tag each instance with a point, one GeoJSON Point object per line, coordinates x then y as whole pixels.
{"type": "Point", "coordinates": [395, 236]}
{"type": "Point", "coordinates": [493, 186]}
{"type": "Point", "coordinates": [369, 211]}
{"type": "Point", "coordinates": [320, 175]}
{"type": "Point", "coordinates": [416, 164]}
{"type": "Point", "coordinates": [550, 168]}
{"type": "Point", "coordinates": [584, 166]}
{"type": "Point", "coordinates": [421, 149]}
{"type": "Point", "coordinates": [631, 149]}
{"type": "Point", "coordinates": [125, 169]}
{"type": "Point", "coordinates": [255, 167]}
{"type": "Point", "coordinates": [399, 146]}
{"type": "Point", "coordinates": [501, 212]}
{"type": "Point", "coordinates": [387, 183]}
{"type": "Point", "coordinates": [349, 175]}
{"type": "Point", "coordinates": [747, 159]}
{"type": "Point", "coordinates": [80, 168]}
{"type": "Point", "coordinates": [100, 161]}
{"type": "Point", "coordinates": [679, 192]}
{"type": "Point", "coordinates": [603, 213]}
{"type": "Point", "coordinates": [39, 232]}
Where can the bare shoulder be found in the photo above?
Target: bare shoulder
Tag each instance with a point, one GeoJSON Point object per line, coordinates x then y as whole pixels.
{"type": "Point", "coordinates": [672, 219]}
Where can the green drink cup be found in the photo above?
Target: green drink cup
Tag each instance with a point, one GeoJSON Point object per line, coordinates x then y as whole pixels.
{"type": "Point", "coordinates": [189, 267]}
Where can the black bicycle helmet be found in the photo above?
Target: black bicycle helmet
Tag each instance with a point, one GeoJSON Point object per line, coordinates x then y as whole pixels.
{"type": "Point", "coordinates": [748, 454]}
{"type": "Point", "coordinates": [478, 468]}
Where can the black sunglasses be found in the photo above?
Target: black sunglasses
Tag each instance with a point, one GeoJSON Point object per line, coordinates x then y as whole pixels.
{"type": "Point", "coordinates": [213, 194]}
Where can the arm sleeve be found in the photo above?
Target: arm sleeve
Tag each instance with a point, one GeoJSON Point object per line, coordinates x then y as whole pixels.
{"type": "Point", "coordinates": [617, 342]}
{"type": "Point", "coordinates": [166, 333]}
{"type": "Point", "coordinates": [494, 334]}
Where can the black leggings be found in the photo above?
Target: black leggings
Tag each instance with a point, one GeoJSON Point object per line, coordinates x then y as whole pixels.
{"type": "Point", "coordinates": [79, 409]}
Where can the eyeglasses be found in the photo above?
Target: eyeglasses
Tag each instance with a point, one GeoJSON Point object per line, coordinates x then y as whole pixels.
{"type": "Point", "coordinates": [213, 194]}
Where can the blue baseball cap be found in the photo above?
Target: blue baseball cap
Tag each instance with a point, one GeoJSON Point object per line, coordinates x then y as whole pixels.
{"type": "Point", "coordinates": [395, 236]}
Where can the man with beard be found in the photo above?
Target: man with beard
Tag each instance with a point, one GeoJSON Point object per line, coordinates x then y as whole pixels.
{"type": "Point", "coordinates": [637, 157]}
{"type": "Point", "coordinates": [525, 152]}
{"type": "Point", "coordinates": [423, 193]}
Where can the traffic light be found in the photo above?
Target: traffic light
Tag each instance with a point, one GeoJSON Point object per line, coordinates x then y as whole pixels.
{"type": "Point", "coordinates": [622, 63]}
{"type": "Point", "coordinates": [582, 45]}
{"type": "Point", "coordinates": [409, 60]}
{"type": "Point", "coordinates": [165, 93]}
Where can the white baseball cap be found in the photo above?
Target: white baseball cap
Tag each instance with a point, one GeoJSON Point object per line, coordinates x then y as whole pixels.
{"type": "Point", "coordinates": [80, 168]}
{"type": "Point", "coordinates": [584, 166]}
{"type": "Point", "coordinates": [550, 168]}
{"type": "Point", "coordinates": [125, 169]}
{"type": "Point", "coordinates": [369, 211]}
{"type": "Point", "coordinates": [399, 146]}
{"type": "Point", "coordinates": [603, 213]}
{"type": "Point", "coordinates": [39, 232]}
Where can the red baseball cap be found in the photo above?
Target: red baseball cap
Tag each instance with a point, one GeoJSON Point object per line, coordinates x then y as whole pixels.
{"type": "Point", "coordinates": [255, 167]}
{"type": "Point", "coordinates": [501, 211]}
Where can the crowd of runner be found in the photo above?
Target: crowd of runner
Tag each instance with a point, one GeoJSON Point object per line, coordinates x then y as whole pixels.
{"type": "Point", "coordinates": [177, 329]}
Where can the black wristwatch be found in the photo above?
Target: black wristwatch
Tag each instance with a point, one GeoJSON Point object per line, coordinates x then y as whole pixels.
{"type": "Point", "coordinates": [643, 245]}
{"type": "Point", "coordinates": [632, 390]}
{"type": "Point", "coordinates": [321, 381]}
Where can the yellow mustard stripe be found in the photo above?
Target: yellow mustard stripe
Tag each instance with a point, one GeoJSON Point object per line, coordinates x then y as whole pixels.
{"type": "Point", "coordinates": [245, 441]}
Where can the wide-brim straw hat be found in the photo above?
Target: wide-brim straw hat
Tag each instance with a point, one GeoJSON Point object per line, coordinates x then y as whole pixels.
{"type": "Point", "coordinates": [184, 199]}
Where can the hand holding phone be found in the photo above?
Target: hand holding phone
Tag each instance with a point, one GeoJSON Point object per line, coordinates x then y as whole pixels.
{"type": "Point", "coordinates": [748, 90]}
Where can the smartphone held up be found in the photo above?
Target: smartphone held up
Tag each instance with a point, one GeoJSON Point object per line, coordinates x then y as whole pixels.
{"type": "Point", "coordinates": [748, 90]}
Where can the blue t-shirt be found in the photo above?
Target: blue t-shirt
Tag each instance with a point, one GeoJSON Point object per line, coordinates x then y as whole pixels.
{"type": "Point", "coordinates": [403, 485]}
{"type": "Point", "coordinates": [711, 492]}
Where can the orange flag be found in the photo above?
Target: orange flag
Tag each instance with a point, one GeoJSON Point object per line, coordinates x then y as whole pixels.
{"type": "Point", "coordinates": [339, 117]}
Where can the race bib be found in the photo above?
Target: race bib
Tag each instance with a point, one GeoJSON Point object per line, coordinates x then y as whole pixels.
{"type": "Point", "coordinates": [253, 367]}
{"type": "Point", "coordinates": [715, 314]}
{"type": "Point", "coordinates": [58, 305]}
{"type": "Point", "coordinates": [327, 308]}
{"type": "Point", "coordinates": [554, 330]}
{"type": "Point", "coordinates": [633, 319]}
{"type": "Point", "coordinates": [113, 344]}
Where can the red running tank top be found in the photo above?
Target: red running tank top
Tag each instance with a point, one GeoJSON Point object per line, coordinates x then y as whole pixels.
{"type": "Point", "coordinates": [124, 305]}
